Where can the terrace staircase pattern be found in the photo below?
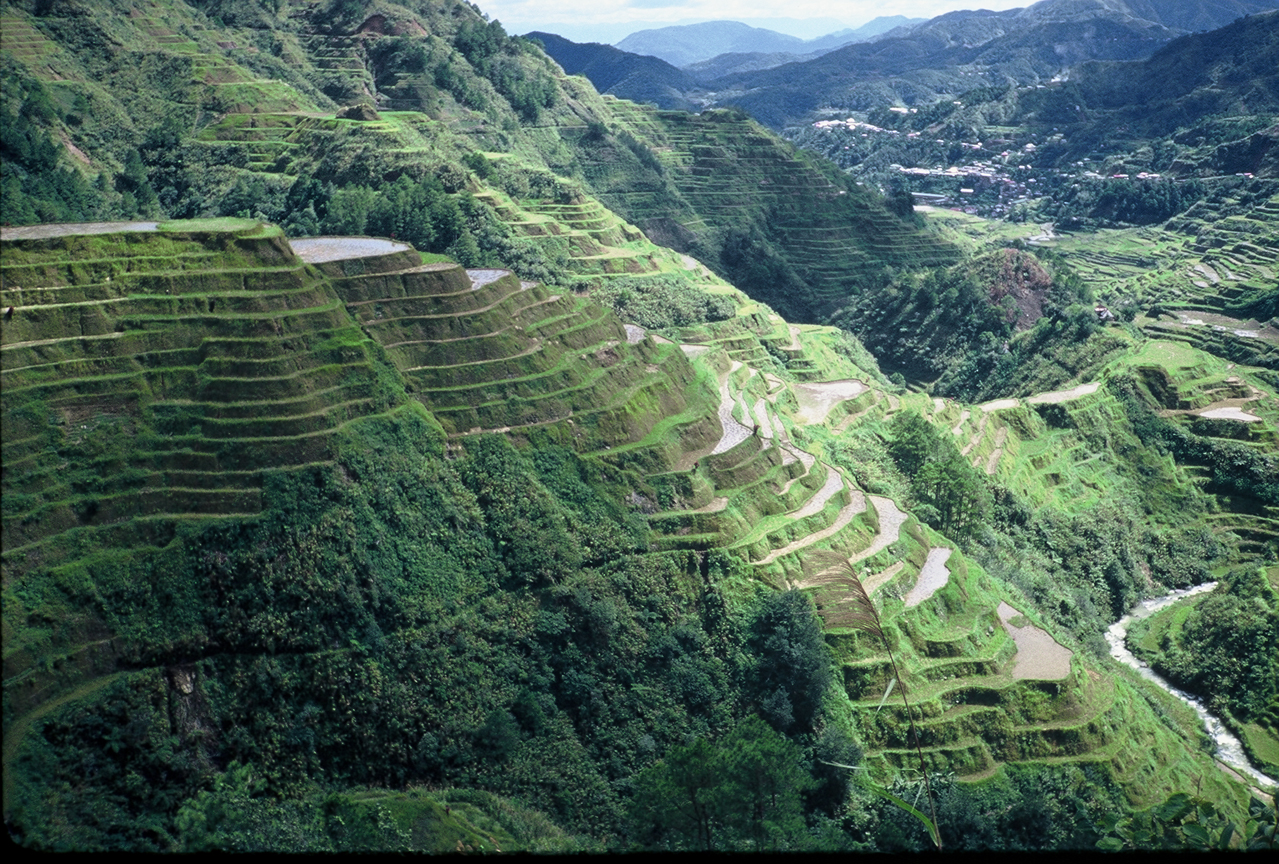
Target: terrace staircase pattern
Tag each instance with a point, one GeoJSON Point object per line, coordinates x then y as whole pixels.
{"type": "Point", "coordinates": [153, 378]}
{"type": "Point", "coordinates": [277, 349]}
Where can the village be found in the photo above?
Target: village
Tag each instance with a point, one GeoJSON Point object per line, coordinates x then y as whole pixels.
{"type": "Point", "coordinates": [983, 180]}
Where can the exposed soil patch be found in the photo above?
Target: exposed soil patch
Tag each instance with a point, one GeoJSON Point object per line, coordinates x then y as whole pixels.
{"type": "Point", "coordinates": [1017, 275]}
{"type": "Point", "coordinates": [1038, 654]}
{"type": "Point", "coordinates": [829, 490]}
{"type": "Point", "coordinates": [74, 150]}
{"type": "Point", "coordinates": [1230, 413]}
{"type": "Point", "coordinates": [634, 333]}
{"type": "Point", "coordinates": [363, 113]}
{"type": "Point", "coordinates": [1058, 396]}
{"type": "Point", "coordinates": [882, 578]}
{"type": "Point", "coordinates": [891, 520]}
{"type": "Point", "coordinates": [67, 229]}
{"type": "Point", "coordinates": [933, 576]}
{"type": "Point", "coordinates": [816, 400]}
{"type": "Point", "coordinates": [320, 250]}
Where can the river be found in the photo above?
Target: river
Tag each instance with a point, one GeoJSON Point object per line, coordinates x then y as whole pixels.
{"type": "Point", "coordinates": [1229, 750]}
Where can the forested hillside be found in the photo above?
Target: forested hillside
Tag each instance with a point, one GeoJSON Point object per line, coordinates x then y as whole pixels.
{"type": "Point", "coordinates": [406, 447]}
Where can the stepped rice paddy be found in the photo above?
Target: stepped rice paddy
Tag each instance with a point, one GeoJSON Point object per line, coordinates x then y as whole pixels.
{"type": "Point", "coordinates": [234, 354]}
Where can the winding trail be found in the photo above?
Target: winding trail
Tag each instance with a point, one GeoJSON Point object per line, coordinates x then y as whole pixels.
{"type": "Point", "coordinates": [1056, 397]}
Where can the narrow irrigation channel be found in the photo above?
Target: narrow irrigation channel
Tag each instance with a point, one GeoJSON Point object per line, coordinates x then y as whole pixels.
{"type": "Point", "coordinates": [1229, 749]}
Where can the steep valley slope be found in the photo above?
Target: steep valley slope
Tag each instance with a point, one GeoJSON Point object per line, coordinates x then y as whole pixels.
{"type": "Point", "coordinates": [457, 528]}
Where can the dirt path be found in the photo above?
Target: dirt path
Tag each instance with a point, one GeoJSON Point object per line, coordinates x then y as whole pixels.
{"type": "Point", "coordinates": [1000, 405]}
{"type": "Point", "coordinates": [37, 342]}
{"type": "Point", "coordinates": [933, 576]}
{"type": "Point", "coordinates": [634, 334]}
{"type": "Point", "coordinates": [318, 250]}
{"type": "Point", "coordinates": [716, 505]}
{"type": "Point", "coordinates": [1038, 654]}
{"type": "Point", "coordinates": [963, 418]}
{"type": "Point", "coordinates": [891, 520]}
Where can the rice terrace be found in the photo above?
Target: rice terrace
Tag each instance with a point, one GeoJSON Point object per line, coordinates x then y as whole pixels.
{"type": "Point", "coordinates": [419, 437]}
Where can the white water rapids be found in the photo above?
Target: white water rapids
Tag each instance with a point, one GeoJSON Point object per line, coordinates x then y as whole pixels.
{"type": "Point", "coordinates": [1229, 750]}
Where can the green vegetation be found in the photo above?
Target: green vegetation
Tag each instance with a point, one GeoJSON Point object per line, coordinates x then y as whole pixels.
{"type": "Point", "coordinates": [1217, 649]}
{"type": "Point", "coordinates": [342, 546]}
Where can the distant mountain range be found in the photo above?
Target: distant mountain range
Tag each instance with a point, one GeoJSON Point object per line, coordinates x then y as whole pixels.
{"type": "Point", "coordinates": [620, 73]}
{"type": "Point", "coordinates": [687, 44]}
{"type": "Point", "coordinates": [914, 63]}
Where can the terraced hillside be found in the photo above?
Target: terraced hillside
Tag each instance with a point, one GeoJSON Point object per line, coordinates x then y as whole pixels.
{"type": "Point", "coordinates": [825, 233]}
{"type": "Point", "coordinates": [995, 688]}
{"type": "Point", "coordinates": [1205, 278]}
{"type": "Point", "coordinates": [289, 517]}
{"type": "Point", "coordinates": [166, 375]}
{"type": "Point", "coordinates": [260, 114]}
{"type": "Point", "coordinates": [153, 373]}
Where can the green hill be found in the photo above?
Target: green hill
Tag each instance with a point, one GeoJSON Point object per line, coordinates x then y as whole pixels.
{"type": "Point", "coordinates": [413, 497]}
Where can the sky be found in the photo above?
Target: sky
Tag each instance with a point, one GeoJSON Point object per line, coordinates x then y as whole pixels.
{"type": "Point", "coordinates": [612, 20]}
